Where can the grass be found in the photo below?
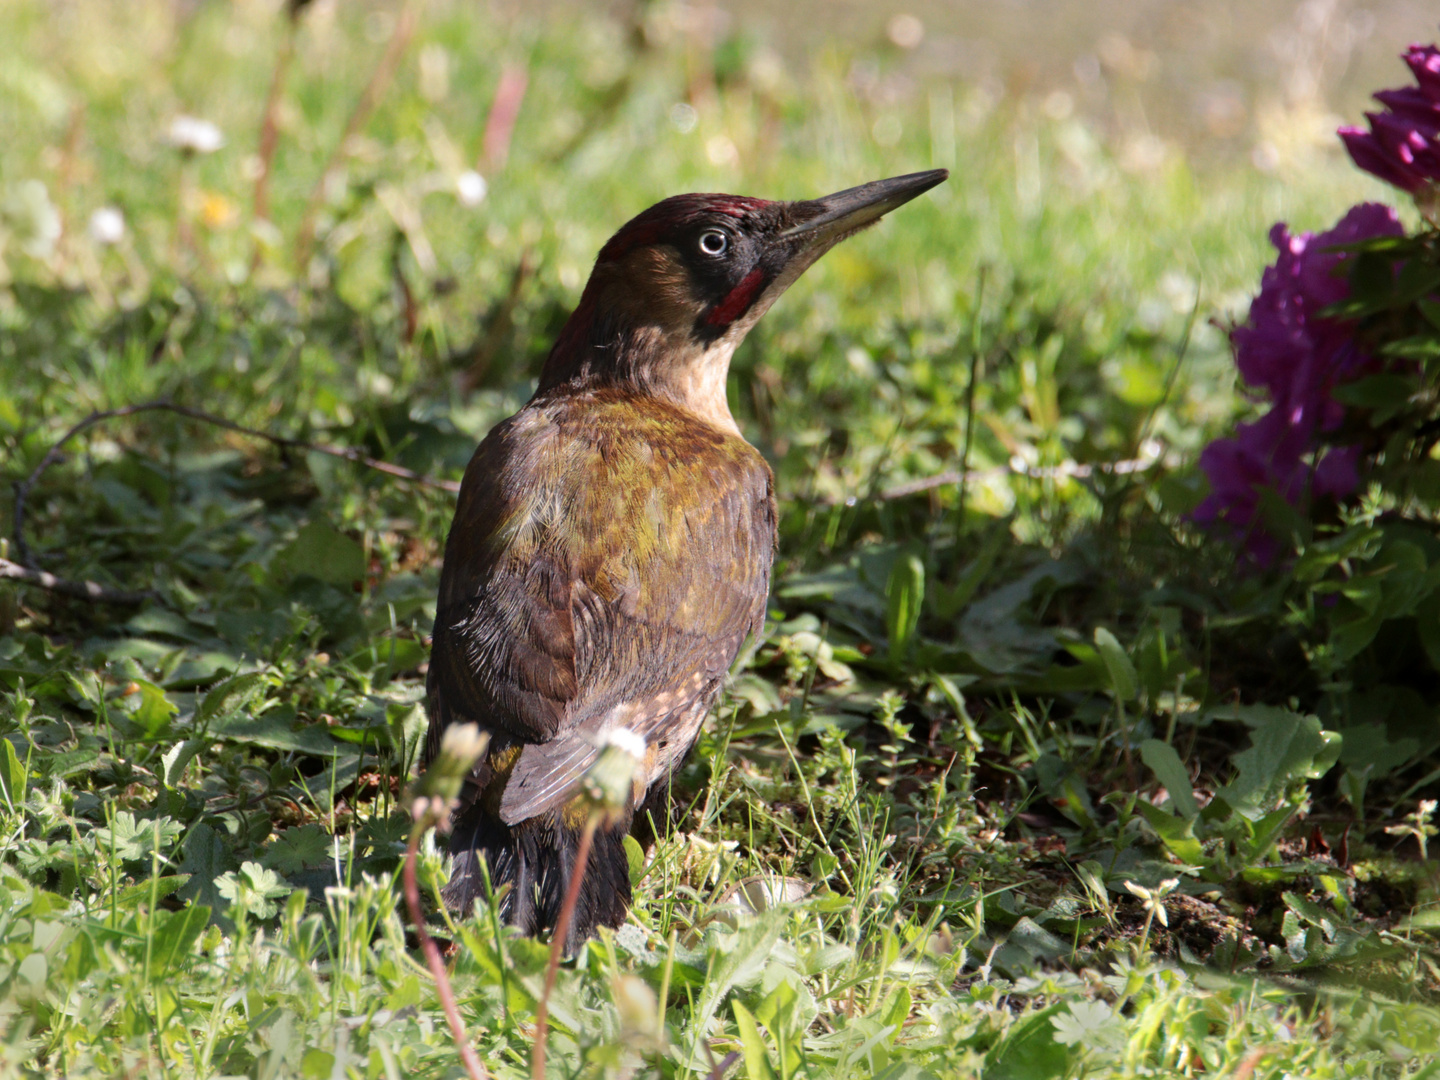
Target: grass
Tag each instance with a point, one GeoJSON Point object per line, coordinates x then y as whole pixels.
{"type": "Point", "coordinates": [1035, 784]}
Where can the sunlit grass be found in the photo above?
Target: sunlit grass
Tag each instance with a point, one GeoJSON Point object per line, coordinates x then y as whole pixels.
{"type": "Point", "coordinates": [904, 847]}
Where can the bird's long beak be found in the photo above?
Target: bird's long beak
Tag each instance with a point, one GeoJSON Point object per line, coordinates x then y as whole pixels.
{"type": "Point", "coordinates": [838, 215]}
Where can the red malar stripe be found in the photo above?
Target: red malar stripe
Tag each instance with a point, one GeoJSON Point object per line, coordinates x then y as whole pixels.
{"type": "Point", "coordinates": [740, 298]}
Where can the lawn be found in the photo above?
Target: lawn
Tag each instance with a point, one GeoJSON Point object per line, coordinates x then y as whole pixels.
{"type": "Point", "coordinates": [1031, 774]}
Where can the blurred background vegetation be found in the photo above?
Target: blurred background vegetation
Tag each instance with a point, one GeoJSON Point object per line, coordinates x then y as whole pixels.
{"type": "Point", "coordinates": [1025, 777]}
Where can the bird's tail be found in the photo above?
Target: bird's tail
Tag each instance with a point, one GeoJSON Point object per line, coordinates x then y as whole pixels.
{"type": "Point", "coordinates": [536, 859]}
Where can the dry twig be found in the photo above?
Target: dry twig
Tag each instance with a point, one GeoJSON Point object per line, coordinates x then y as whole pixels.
{"type": "Point", "coordinates": [1068, 470]}
{"type": "Point", "coordinates": [22, 488]}
{"type": "Point", "coordinates": [84, 590]}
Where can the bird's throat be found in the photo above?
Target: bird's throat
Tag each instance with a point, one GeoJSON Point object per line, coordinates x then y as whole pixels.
{"type": "Point", "coordinates": [648, 359]}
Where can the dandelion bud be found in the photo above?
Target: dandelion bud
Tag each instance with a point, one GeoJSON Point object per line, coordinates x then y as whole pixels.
{"type": "Point", "coordinates": [435, 792]}
{"type": "Point", "coordinates": [636, 1006]}
{"type": "Point", "coordinates": [460, 746]}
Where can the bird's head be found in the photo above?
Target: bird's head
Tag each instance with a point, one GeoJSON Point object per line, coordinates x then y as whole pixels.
{"type": "Point", "coordinates": [678, 287]}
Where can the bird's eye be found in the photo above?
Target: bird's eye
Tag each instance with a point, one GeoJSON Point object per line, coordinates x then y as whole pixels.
{"type": "Point", "coordinates": [714, 242]}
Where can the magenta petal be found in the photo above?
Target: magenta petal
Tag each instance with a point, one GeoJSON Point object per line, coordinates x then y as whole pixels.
{"type": "Point", "coordinates": [1424, 61]}
{"type": "Point", "coordinates": [1401, 137]}
{"type": "Point", "coordinates": [1368, 155]}
{"type": "Point", "coordinates": [1363, 221]}
{"type": "Point", "coordinates": [1296, 358]}
{"type": "Point", "coordinates": [1409, 105]}
{"type": "Point", "coordinates": [1402, 146]}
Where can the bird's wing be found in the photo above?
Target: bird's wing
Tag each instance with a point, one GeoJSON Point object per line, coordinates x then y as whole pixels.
{"type": "Point", "coordinates": [604, 571]}
{"type": "Point", "coordinates": [503, 652]}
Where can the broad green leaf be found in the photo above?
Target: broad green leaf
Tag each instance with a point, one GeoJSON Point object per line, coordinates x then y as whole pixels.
{"type": "Point", "coordinates": [34, 969]}
{"type": "Point", "coordinates": [162, 622]}
{"type": "Point", "coordinates": [1417, 278]}
{"type": "Point", "coordinates": [1417, 347]}
{"type": "Point", "coordinates": [298, 848]}
{"type": "Point", "coordinates": [130, 839]}
{"type": "Point", "coordinates": [826, 958]}
{"type": "Point", "coordinates": [896, 1011]}
{"type": "Point", "coordinates": [1038, 942]}
{"type": "Point", "coordinates": [905, 1070]}
{"type": "Point", "coordinates": [634, 859]}
{"type": "Point", "coordinates": [153, 711]}
{"type": "Point", "coordinates": [1165, 763]}
{"type": "Point", "coordinates": [143, 892]}
{"type": "Point", "coordinates": [757, 1061]}
{"type": "Point", "coordinates": [320, 551]}
{"type": "Point", "coordinates": [13, 775]}
{"type": "Point", "coordinates": [204, 857]}
{"type": "Point", "coordinates": [1029, 1050]}
{"type": "Point", "coordinates": [1284, 747]}
{"type": "Point", "coordinates": [948, 602]}
{"type": "Point", "coordinates": [737, 959]}
{"type": "Point", "coordinates": [1384, 395]}
{"type": "Point", "coordinates": [1431, 310]}
{"type": "Point", "coordinates": [905, 597]}
{"type": "Point", "coordinates": [1427, 919]}
{"type": "Point", "coordinates": [785, 1012]}
{"type": "Point", "coordinates": [1369, 746]}
{"type": "Point", "coordinates": [1176, 833]}
{"type": "Point", "coordinates": [278, 729]}
{"type": "Point", "coordinates": [233, 694]}
{"type": "Point", "coordinates": [1117, 663]}
{"type": "Point", "coordinates": [1372, 280]}
{"type": "Point", "coordinates": [171, 942]}
{"type": "Point", "coordinates": [1089, 1024]}
{"type": "Point", "coordinates": [1314, 914]}
{"type": "Point", "coordinates": [253, 890]}
{"type": "Point", "coordinates": [178, 757]}
{"type": "Point", "coordinates": [317, 1064]}
{"type": "Point", "coordinates": [1349, 639]}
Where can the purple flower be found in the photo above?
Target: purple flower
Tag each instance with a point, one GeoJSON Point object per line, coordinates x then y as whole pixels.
{"type": "Point", "coordinates": [1295, 359]}
{"type": "Point", "coordinates": [1285, 348]}
{"type": "Point", "coordinates": [1402, 146]}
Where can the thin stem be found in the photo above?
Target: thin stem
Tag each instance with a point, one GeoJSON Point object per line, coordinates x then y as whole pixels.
{"type": "Point", "coordinates": [504, 110]}
{"type": "Point", "coordinates": [1181, 350]}
{"type": "Point", "coordinates": [364, 107]}
{"type": "Point", "coordinates": [436, 962]}
{"type": "Point", "coordinates": [723, 1066]}
{"type": "Point", "coordinates": [557, 946]}
{"type": "Point", "coordinates": [270, 125]}
{"type": "Point", "coordinates": [964, 470]}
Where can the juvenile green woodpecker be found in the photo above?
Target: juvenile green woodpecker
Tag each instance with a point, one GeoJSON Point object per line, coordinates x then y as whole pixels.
{"type": "Point", "coordinates": [611, 548]}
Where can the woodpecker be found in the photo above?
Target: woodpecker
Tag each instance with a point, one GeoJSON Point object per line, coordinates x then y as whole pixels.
{"type": "Point", "coordinates": [611, 547]}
